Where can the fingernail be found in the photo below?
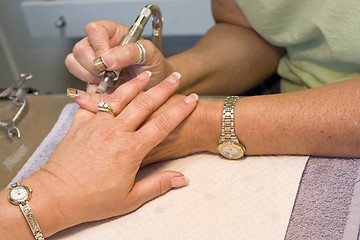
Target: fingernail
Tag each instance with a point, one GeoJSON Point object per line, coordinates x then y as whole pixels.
{"type": "Point", "coordinates": [191, 98]}
{"type": "Point", "coordinates": [174, 77]}
{"type": "Point", "coordinates": [177, 182]}
{"type": "Point", "coordinates": [108, 59]}
{"type": "Point", "coordinates": [144, 75]}
{"type": "Point", "coordinates": [76, 93]}
{"type": "Point", "coordinates": [72, 92]}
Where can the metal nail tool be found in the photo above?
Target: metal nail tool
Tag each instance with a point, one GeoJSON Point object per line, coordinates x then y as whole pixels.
{"type": "Point", "coordinates": [16, 95]}
{"type": "Point", "coordinates": [133, 35]}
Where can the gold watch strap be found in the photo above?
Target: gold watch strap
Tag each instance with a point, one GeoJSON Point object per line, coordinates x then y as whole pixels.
{"type": "Point", "coordinates": [30, 218]}
{"type": "Point", "coordinates": [227, 125]}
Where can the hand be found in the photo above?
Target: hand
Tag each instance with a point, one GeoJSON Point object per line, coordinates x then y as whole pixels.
{"type": "Point", "coordinates": [103, 39]}
{"type": "Point", "coordinates": [196, 133]}
{"type": "Point", "coordinates": [96, 163]}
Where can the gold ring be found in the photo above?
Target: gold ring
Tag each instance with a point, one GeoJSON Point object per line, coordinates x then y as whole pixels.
{"type": "Point", "coordinates": [104, 107]}
{"type": "Point", "coordinates": [100, 65]}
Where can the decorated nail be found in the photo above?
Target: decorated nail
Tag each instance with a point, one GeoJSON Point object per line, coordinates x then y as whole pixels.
{"type": "Point", "coordinates": [72, 92]}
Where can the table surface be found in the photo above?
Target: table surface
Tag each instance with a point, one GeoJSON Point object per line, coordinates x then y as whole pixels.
{"type": "Point", "coordinates": [42, 113]}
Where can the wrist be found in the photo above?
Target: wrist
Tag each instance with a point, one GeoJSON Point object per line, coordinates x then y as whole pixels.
{"type": "Point", "coordinates": [50, 202]}
{"type": "Point", "coordinates": [209, 114]}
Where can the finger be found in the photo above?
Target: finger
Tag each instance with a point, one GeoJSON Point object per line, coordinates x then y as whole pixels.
{"type": "Point", "coordinates": [159, 127]}
{"type": "Point", "coordinates": [81, 116]}
{"type": "Point", "coordinates": [104, 35]}
{"type": "Point", "coordinates": [79, 71]}
{"type": "Point", "coordinates": [117, 100]}
{"type": "Point", "coordinates": [128, 54]}
{"type": "Point", "coordinates": [146, 103]}
{"type": "Point", "coordinates": [85, 55]}
{"type": "Point", "coordinates": [156, 185]}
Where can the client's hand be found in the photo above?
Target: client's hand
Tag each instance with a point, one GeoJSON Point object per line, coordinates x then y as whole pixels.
{"type": "Point", "coordinates": [191, 136]}
{"type": "Point", "coordinates": [91, 174]}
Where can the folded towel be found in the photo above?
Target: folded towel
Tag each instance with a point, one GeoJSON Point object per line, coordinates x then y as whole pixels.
{"type": "Point", "coordinates": [247, 199]}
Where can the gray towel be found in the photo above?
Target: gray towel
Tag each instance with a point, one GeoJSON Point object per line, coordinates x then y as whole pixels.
{"type": "Point", "coordinates": [322, 205]}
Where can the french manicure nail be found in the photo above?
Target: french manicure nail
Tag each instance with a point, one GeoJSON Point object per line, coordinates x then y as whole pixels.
{"type": "Point", "coordinates": [174, 77]}
{"type": "Point", "coordinates": [191, 98]}
{"type": "Point", "coordinates": [177, 182]}
{"type": "Point", "coordinates": [144, 75]}
{"type": "Point", "coordinates": [72, 92]}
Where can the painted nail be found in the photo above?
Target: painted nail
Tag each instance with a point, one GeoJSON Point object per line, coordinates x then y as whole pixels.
{"type": "Point", "coordinates": [72, 92]}
{"type": "Point", "coordinates": [177, 182]}
{"type": "Point", "coordinates": [191, 98]}
{"type": "Point", "coordinates": [144, 75]}
{"type": "Point", "coordinates": [174, 77]}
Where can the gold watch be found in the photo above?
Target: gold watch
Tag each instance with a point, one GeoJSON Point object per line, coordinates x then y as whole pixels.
{"type": "Point", "coordinates": [229, 145]}
{"type": "Point", "coordinates": [20, 195]}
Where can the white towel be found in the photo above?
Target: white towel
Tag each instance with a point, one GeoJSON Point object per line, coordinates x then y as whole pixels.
{"type": "Point", "coordinates": [247, 199]}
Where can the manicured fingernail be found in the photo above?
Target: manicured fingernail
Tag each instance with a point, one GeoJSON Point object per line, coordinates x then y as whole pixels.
{"type": "Point", "coordinates": [177, 182]}
{"type": "Point", "coordinates": [76, 93]}
{"type": "Point", "coordinates": [191, 98]}
{"type": "Point", "coordinates": [108, 59]}
{"type": "Point", "coordinates": [174, 77]}
{"type": "Point", "coordinates": [144, 75]}
{"type": "Point", "coordinates": [72, 92]}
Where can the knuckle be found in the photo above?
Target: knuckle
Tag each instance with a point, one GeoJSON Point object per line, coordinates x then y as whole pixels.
{"type": "Point", "coordinates": [116, 99]}
{"type": "Point", "coordinates": [107, 133]}
{"type": "Point", "coordinates": [92, 26]}
{"type": "Point", "coordinates": [163, 122]}
{"type": "Point", "coordinates": [144, 102]}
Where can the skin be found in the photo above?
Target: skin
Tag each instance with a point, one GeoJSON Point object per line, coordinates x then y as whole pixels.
{"type": "Point", "coordinates": [92, 169]}
{"type": "Point", "coordinates": [319, 121]}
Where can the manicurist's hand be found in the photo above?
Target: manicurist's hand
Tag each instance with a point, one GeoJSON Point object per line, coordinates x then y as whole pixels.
{"type": "Point", "coordinates": [103, 40]}
{"type": "Point", "coordinates": [91, 174]}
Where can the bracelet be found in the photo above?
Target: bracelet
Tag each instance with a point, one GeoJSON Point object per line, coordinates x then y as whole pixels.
{"type": "Point", "coordinates": [20, 195]}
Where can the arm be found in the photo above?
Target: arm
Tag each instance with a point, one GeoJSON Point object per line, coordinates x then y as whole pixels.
{"type": "Point", "coordinates": [230, 58]}
{"type": "Point", "coordinates": [321, 121]}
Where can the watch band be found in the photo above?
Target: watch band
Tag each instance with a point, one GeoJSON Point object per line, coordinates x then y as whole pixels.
{"type": "Point", "coordinates": [28, 213]}
{"type": "Point", "coordinates": [229, 145]}
{"type": "Point", "coordinates": [227, 124]}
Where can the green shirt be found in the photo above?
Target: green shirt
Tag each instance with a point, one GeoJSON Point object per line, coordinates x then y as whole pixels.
{"type": "Point", "coordinates": [322, 38]}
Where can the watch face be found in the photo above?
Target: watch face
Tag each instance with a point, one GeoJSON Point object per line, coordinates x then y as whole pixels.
{"type": "Point", "coordinates": [19, 194]}
{"type": "Point", "coordinates": [231, 150]}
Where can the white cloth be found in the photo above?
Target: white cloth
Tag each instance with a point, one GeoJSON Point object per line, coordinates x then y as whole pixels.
{"type": "Point", "coordinates": [247, 199]}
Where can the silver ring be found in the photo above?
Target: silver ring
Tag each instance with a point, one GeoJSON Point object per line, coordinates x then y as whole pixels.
{"type": "Point", "coordinates": [104, 107]}
{"type": "Point", "coordinates": [142, 50]}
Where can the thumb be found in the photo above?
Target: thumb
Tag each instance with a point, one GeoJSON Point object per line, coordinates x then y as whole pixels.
{"type": "Point", "coordinates": [156, 185]}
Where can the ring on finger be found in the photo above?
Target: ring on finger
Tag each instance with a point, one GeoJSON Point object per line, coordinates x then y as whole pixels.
{"type": "Point", "coordinates": [143, 53]}
{"type": "Point", "coordinates": [104, 107]}
{"type": "Point", "coordinates": [100, 65]}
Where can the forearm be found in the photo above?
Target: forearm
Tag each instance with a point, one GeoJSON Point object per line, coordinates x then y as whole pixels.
{"type": "Point", "coordinates": [321, 121]}
{"type": "Point", "coordinates": [229, 59]}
